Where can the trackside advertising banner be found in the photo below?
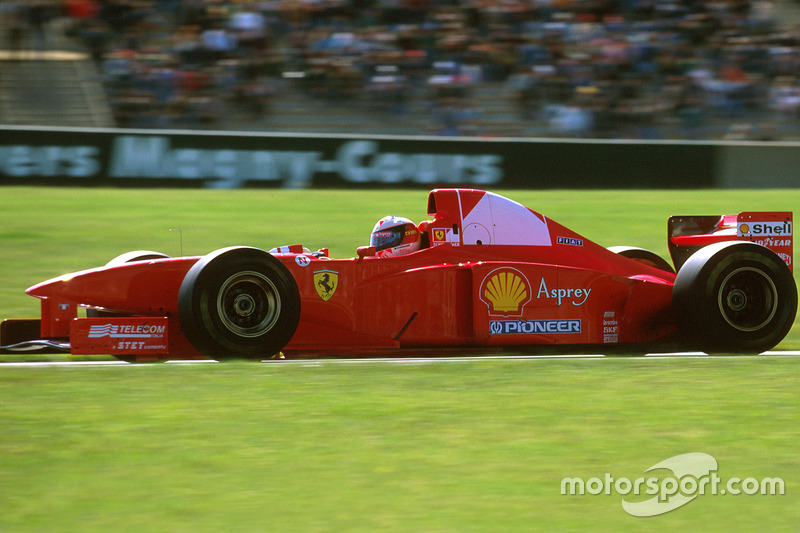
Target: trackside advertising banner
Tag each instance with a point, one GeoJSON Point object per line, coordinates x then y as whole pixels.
{"type": "Point", "coordinates": [160, 158]}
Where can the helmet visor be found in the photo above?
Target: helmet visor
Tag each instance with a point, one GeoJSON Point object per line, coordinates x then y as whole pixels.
{"type": "Point", "coordinates": [387, 238]}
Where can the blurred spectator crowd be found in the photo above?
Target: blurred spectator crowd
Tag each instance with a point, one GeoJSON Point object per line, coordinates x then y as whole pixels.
{"type": "Point", "coordinates": [589, 68]}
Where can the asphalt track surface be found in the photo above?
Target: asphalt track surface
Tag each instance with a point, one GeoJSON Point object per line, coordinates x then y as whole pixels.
{"type": "Point", "coordinates": [412, 360]}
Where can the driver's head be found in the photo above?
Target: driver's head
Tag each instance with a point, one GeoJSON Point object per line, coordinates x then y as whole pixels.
{"type": "Point", "coordinates": [393, 236]}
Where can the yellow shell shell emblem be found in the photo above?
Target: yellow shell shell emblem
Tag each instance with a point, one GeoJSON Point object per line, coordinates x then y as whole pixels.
{"type": "Point", "coordinates": [506, 291]}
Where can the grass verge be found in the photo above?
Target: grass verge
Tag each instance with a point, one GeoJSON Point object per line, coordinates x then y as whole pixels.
{"type": "Point", "coordinates": [445, 446]}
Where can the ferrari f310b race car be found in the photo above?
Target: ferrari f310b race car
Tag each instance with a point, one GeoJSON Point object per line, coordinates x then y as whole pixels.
{"type": "Point", "coordinates": [490, 276]}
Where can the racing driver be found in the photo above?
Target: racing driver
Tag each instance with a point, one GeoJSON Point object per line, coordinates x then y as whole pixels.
{"type": "Point", "coordinates": [393, 236]}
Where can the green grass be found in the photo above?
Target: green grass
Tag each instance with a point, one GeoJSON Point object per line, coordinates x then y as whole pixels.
{"type": "Point", "coordinates": [46, 232]}
{"type": "Point", "coordinates": [444, 446]}
{"type": "Point", "coordinates": [447, 446]}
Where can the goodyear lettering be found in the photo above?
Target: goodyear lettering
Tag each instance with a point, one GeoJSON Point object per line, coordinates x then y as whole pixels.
{"type": "Point", "coordinates": [769, 242]}
{"type": "Point", "coordinates": [579, 296]}
{"type": "Point", "coordinates": [533, 327]}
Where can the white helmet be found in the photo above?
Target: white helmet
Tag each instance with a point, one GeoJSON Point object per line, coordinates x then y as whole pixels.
{"type": "Point", "coordinates": [393, 236]}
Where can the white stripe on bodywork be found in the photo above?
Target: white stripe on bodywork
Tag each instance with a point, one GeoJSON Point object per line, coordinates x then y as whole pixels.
{"type": "Point", "coordinates": [505, 222]}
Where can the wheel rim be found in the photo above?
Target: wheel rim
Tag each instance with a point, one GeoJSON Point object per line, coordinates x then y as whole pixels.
{"type": "Point", "coordinates": [748, 299]}
{"type": "Point", "coordinates": [248, 304]}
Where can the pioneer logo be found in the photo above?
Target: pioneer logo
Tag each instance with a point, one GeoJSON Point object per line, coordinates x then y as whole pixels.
{"type": "Point", "coordinates": [534, 327]}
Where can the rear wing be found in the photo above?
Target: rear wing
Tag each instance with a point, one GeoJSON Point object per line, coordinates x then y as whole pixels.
{"type": "Point", "coordinates": [772, 229]}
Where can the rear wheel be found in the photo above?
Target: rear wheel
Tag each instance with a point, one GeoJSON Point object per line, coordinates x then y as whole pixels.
{"type": "Point", "coordinates": [643, 256]}
{"type": "Point", "coordinates": [239, 303]}
{"type": "Point", "coordinates": [734, 297]}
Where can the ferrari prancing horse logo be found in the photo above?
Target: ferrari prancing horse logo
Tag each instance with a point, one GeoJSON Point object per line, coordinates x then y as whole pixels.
{"type": "Point", "coordinates": [325, 283]}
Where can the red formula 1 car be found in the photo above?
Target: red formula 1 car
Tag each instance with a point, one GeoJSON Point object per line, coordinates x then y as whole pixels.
{"type": "Point", "coordinates": [491, 275]}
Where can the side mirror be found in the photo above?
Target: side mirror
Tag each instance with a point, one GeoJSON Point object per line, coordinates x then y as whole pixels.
{"type": "Point", "coordinates": [365, 251]}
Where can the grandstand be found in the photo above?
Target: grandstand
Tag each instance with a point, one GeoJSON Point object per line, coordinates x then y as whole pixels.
{"type": "Point", "coordinates": [664, 69]}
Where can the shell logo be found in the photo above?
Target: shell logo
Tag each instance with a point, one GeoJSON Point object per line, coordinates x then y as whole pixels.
{"type": "Point", "coordinates": [505, 291]}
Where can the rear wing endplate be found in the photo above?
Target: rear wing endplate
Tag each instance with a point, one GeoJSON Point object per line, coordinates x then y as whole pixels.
{"type": "Point", "coordinates": [772, 229]}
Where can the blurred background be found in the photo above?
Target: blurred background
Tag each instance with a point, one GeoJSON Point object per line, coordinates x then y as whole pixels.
{"type": "Point", "coordinates": [630, 69]}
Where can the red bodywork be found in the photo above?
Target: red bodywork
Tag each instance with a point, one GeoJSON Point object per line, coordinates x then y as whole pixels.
{"type": "Point", "coordinates": [493, 274]}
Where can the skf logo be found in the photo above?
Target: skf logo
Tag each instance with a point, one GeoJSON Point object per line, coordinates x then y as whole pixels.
{"type": "Point", "coordinates": [505, 291]}
{"type": "Point", "coordinates": [766, 229]}
{"type": "Point", "coordinates": [325, 283]}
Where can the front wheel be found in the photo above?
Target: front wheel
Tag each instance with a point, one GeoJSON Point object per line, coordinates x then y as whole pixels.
{"type": "Point", "coordinates": [734, 297]}
{"type": "Point", "coordinates": [239, 303]}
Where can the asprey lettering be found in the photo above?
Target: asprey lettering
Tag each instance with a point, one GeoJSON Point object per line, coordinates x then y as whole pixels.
{"type": "Point", "coordinates": [561, 294]}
